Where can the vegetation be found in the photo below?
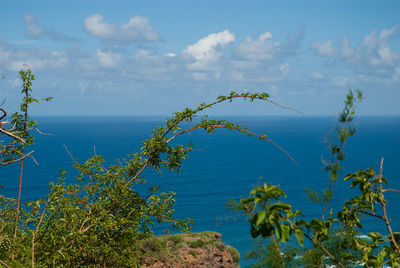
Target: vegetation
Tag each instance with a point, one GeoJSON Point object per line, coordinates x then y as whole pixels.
{"type": "Point", "coordinates": [334, 240]}
{"type": "Point", "coordinates": [171, 249]}
{"type": "Point", "coordinates": [102, 220]}
{"type": "Point", "coordinates": [99, 219]}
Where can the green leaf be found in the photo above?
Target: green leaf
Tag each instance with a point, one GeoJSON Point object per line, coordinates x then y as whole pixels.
{"type": "Point", "coordinates": [280, 205]}
{"type": "Point", "coordinates": [299, 233]}
{"type": "Point", "coordinates": [260, 217]}
{"type": "Point", "coordinates": [375, 235]}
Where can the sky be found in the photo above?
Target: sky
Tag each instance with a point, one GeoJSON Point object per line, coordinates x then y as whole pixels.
{"type": "Point", "coordinates": [127, 58]}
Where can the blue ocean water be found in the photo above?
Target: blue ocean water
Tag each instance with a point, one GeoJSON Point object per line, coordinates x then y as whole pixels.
{"type": "Point", "coordinates": [222, 166]}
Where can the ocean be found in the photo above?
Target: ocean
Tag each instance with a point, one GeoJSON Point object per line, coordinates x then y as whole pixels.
{"type": "Point", "coordinates": [222, 166]}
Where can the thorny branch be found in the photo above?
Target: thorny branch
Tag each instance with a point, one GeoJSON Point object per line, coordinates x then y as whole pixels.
{"type": "Point", "coordinates": [201, 108]}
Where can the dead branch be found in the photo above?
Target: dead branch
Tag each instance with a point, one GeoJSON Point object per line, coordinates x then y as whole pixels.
{"type": "Point", "coordinates": [42, 133]}
{"type": "Point", "coordinates": [19, 159]}
{"type": "Point", "coordinates": [2, 130]}
{"type": "Point", "coordinates": [385, 217]}
{"type": "Point", "coordinates": [390, 190]}
{"type": "Point", "coordinates": [4, 112]}
{"type": "Point", "coordinates": [70, 155]}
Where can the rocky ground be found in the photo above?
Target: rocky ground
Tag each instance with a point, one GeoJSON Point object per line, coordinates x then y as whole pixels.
{"type": "Point", "coordinates": [204, 249]}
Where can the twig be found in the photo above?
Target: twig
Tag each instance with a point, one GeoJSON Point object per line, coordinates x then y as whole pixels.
{"type": "Point", "coordinates": [369, 213]}
{"type": "Point", "coordinates": [4, 100]}
{"type": "Point", "coordinates": [199, 109]}
{"type": "Point", "coordinates": [3, 263]}
{"type": "Point", "coordinates": [139, 172]}
{"type": "Point", "coordinates": [238, 129]}
{"type": "Point", "coordinates": [4, 111]}
{"type": "Point", "coordinates": [42, 133]}
{"type": "Point", "coordinates": [324, 250]}
{"type": "Point", "coordinates": [385, 217]}
{"type": "Point", "coordinates": [284, 107]}
{"type": "Point", "coordinates": [2, 130]}
{"type": "Point", "coordinates": [70, 155]}
{"type": "Point", "coordinates": [18, 203]}
{"type": "Point", "coordinates": [216, 102]}
{"type": "Point", "coordinates": [278, 250]}
{"type": "Point", "coordinates": [19, 159]}
{"type": "Point", "coordinates": [390, 190]}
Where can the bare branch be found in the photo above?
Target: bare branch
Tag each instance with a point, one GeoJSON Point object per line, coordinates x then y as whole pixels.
{"type": "Point", "coordinates": [390, 190]}
{"type": "Point", "coordinates": [69, 153]}
{"type": "Point", "coordinates": [4, 100]}
{"type": "Point", "coordinates": [11, 135]}
{"type": "Point", "coordinates": [19, 159]}
{"type": "Point", "coordinates": [4, 111]}
{"type": "Point", "coordinates": [3, 263]}
{"type": "Point", "coordinates": [385, 217]}
{"type": "Point", "coordinates": [369, 213]}
{"type": "Point", "coordinates": [284, 107]}
{"type": "Point", "coordinates": [42, 133]}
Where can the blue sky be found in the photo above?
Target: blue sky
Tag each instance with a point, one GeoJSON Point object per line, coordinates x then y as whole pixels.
{"type": "Point", "coordinates": [157, 57]}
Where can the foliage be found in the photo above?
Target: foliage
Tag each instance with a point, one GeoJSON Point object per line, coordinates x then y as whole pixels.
{"type": "Point", "coordinates": [170, 250]}
{"type": "Point", "coordinates": [335, 239]}
{"type": "Point", "coordinates": [101, 218]}
{"type": "Point", "coordinates": [235, 254]}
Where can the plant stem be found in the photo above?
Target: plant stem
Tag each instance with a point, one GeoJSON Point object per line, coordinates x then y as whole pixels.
{"type": "Point", "coordinates": [324, 250]}
{"type": "Point", "coordinates": [278, 250]}
{"type": "Point", "coordinates": [382, 201]}
{"type": "Point", "coordinates": [18, 204]}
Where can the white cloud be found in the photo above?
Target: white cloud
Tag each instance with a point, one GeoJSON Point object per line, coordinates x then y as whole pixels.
{"type": "Point", "coordinates": [32, 28]}
{"type": "Point", "coordinates": [37, 59]}
{"type": "Point", "coordinates": [284, 68]}
{"type": "Point", "coordinates": [205, 54]}
{"type": "Point", "coordinates": [346, 50]}
{"type": "Point", "coordinates": [324, 48]}
{"type": "Point", "coordinates": [340, 81]}
{"type": "Point", "coordinates": [374, 56]}
{"type": "Point", "coordinates": [36, 31]}
{"type": "Point", "coordinates": [137, 29]}
{"type": "Point", "coordinates": [316, 75]}
{"type": "Point", "coordinates": [208, 47]}
{"type": "Point", "coordinates": [107, 59]}
{"type": "Point", "coordinates": [264, 48]}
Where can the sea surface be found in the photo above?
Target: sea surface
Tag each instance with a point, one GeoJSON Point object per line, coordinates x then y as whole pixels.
{"type": "Point", "coordinates": [222, 166]}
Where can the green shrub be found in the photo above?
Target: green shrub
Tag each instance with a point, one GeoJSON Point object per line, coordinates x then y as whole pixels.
{"type": "Point", "coordinates": [197, 244]}
{"type": "Point", "coordinates": [193, 253]}
{"type": "Point", "coordinates": [234, 253]}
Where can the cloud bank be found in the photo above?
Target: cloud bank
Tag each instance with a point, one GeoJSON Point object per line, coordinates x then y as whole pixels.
{"type": "Point", "coordinates": [137, 29]}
